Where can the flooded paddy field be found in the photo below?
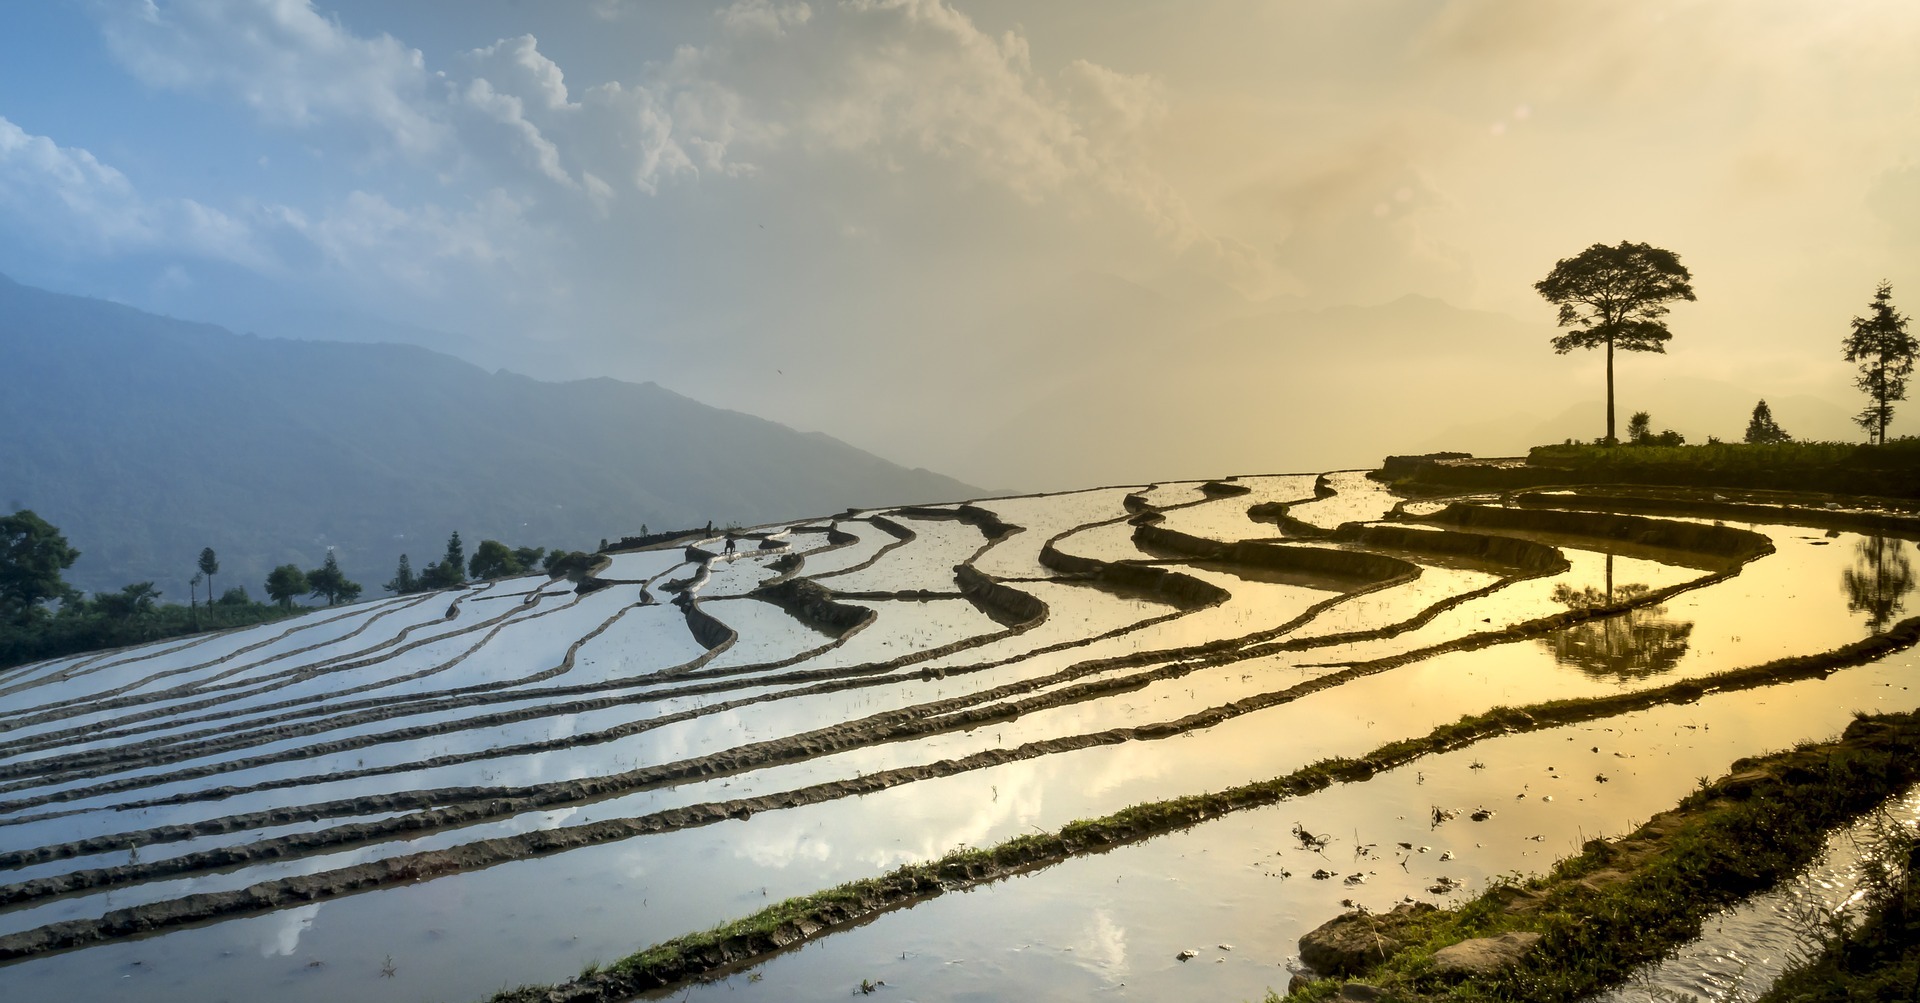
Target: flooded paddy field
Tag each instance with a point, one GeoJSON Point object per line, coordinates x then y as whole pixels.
{"type": "Point", "coordinates": [440, 796]}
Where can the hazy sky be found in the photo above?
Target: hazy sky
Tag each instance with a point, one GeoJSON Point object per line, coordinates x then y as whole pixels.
{"type": "Point", "coordinates": [909, 223]}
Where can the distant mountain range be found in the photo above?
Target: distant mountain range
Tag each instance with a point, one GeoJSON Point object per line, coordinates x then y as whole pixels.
{"type": "Point", "coordinates": [145, 438]}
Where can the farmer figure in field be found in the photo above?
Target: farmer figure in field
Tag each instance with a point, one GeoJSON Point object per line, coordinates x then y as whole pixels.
{"type": "Point", "coordinates": [731, 542]}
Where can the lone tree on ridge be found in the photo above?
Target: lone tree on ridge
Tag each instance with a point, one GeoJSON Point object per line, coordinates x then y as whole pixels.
{"type": "Point", "coordinates": [285, 582]}
{"type": "Point", "coordinates": [1615, 296]}
{"type": "Point", "coordinates": [32, 556]}
{"type": "Point", "coordinates": [1762, 429]}
{"type": "Point", "coordinates": [209, 565]}
{"type": "Point", "coordinates": [403, 580]}
{"type": "Point", "coordinates": [329, 583]}
{"type": "Point", "coordinates": [1884, 351]}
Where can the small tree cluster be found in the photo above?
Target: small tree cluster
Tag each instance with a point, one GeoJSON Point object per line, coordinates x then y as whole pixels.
{"type": "Point", "coordinates": [450, 571]}
{"type": "Point", "coordinates": [287, 582]}
{"type": "Point", "coordinates": [1640, 432]}
{"type": "Point", "coordinates": [327, 582]}
{"type": "Point", "coordinates": [491, 559]}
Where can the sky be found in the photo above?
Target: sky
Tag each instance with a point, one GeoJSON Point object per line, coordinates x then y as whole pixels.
{"type": "Point", "coordinates": [1029, 245]}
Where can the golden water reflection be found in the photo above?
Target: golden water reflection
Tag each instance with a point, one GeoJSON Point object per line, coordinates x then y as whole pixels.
{"type": "Point", "coordinates": [1879, 580]}
{"type": "Point", "coordinates": [1631, 645]}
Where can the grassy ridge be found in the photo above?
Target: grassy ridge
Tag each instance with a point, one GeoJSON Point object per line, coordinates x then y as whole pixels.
{"type": "Point", "coordinates": [79, 630]}
{"type": "Point", "coordinates": [1892, 470]}
{"type": "Point", "coordinates": [1878, 960]}
{"type": "Point", "coordinates": [1623, 903]}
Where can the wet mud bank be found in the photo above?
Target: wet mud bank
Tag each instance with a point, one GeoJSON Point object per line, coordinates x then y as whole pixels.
{"type": "Point", "coordinates": [1361, 566]}
{"type": "Point", "coordinates": [1663, 534]}
{"type": "Point", "coordinates": [1505, 551]}
{"type": "Point", "coordinates": [1172, 587]}
{"type": "Point", "coordinates": [1008, 606]}
{"type": "Point", "coordinates": [987, 522]}
{"type": "Point", "coordinates": [1624, 902]}
{"type": "Point", "coordinates": [815, 606]}
{"type": "Point", "coordinates": [1867, 515]}
{"type": "Point", "coordinates": [711, 633]}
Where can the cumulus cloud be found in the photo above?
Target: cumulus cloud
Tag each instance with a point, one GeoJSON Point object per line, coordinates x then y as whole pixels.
{"type": "Point", "coordinates": [520, 65]}
{"type": "Point", "coordinates": [74, 201]}
{"type": "Point", "coordinates": [284, 60]}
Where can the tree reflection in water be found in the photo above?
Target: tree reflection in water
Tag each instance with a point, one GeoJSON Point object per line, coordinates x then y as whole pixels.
{"type": "Point", "coordinates": [1879, 580]}
{"type": "Point", "coordinates": [1632, 644]}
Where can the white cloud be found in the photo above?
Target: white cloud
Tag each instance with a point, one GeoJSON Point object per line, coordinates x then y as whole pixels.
{"type": "Point", "coordinates": [522, 69]}
{"type": "Point", "coordinates": [72, 199]}
{"type": "Point", "coordinates": [528, 142]}
{"type": "Point", "coordinates": [764, 15]}
{"type": "Point", "coordinates": [379, 243]}
{"type": "Point", "coordinates": [284, 60]}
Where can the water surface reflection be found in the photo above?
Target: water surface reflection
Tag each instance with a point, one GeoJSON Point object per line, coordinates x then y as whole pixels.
{"type": "Point", "coordinates": [1635, 644]}
{"type": "Point", "coordinates": [1879, 580]}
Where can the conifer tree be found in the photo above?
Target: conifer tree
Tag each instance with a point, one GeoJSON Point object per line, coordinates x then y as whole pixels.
{"type": "Point", "coordinates": [209, 565]}
{"type": "Point", "coordinates": [1762, 429]}
{"type": "Point", "coordinates": [329, 583]}
{"type": "Point", "coordinates": [1884, 350]}
{"type": "Point", "coordinates": [403, 581]}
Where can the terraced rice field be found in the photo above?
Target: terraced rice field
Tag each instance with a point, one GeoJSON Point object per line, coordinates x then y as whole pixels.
{"type": "Point", "coordinates": [439, 796]}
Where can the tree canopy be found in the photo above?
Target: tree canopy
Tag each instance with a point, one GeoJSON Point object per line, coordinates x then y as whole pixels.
{"type": "Point", "coordinates": [285, 582]}
{"type": "Point", "coordinates": [1615, 297]}
{"type": "Point", "coordinates": [493, 559]}
{"type": "Point", "coordinates": [329, 583]}
{"type": "Point", "coordinates": [450, 570]}
{"type": "Point", "coordinates": [1884, 351]}
{"type": "Point", "coordinates": [1762, 429]}
{"type": "Point", "coordinates": [403, 581]}
{"type": "Point", "coordinates": [32, 556]}
{"type": "Point", "coordinates": [209, 566]}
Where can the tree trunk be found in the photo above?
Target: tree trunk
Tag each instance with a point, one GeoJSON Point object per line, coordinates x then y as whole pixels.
{"type": "Point", "coordinates": [1610, 437]}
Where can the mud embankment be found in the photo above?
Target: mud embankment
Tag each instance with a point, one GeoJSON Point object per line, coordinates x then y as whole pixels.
{"type": "Point", "coordinates": [1357, 565]}
{"type": "Point", "coordinates": [711, 633]}
{"type": "Point", "coordinates": [1171, 587]}
{"type": "Point", "coordinates": [815, 606]}
{"type": "Point", "coordinates": [986, 521]}
{"type": "Point", "coordinates": [1008, 606]}
{"type": "Point", "coordinates": [1790, 510]}
{"type": "Point", "coordinates": [1506, 551]}
{"type": "Point", "coordinates": [1662, 534]}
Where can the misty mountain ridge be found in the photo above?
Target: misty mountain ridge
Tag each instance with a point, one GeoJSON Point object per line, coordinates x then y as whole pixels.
{"type": "Point", "coordinates": [146, 438]}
